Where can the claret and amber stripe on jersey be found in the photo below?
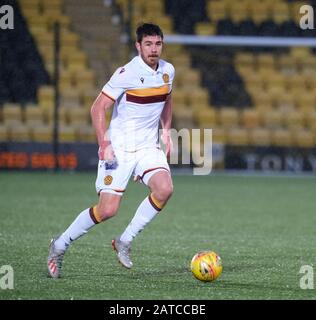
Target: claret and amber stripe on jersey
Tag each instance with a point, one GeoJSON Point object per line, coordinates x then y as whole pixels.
{"type": "Point", "coordinates": [147, 95]}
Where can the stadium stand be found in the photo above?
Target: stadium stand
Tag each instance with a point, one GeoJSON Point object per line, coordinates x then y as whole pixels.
{"type": "Point", "coordinates": [270, 89]}
{"type": "Point", "coordinates": [249, 96]}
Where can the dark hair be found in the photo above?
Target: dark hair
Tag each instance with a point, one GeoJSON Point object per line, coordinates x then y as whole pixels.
{"type": "Point", "coordinates": [148, 29]}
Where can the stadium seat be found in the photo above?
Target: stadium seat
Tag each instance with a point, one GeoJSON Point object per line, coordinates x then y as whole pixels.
{"type": "Point", "coordinates": [294, 120]}
{"type": "Point", "coordinates": [310, 118]}
{"type": "Point", "coordinates": [260, 137]}
{"type": "Point", "coordinates": [4, 135]}
{"type": "Point", "coordinates": [45, 93]}
{"type": "Point", "coordinates": [219, 135]}
{"type": "Point", "coordinates": [238, 137]}
{"type": "Point", "coordinates": [11, 114]}
{"type": "Point", "coordinates": [77, 116]}
{"type": "Point", "coordinates": [66, 134]}
{"type": "Point", "coordinates": [304, 138]}
{"type": "Point", "coordinates": [42, 133]}
{"type": "Point", "coordinates": [19, 133]}
{"type": "Point", "coordinates": [228, 117]}
{"type": "Point", "coordinates": [205, 29]}
{"type": "Point", "coordinates": [282, 137]}
{"type": "Point", "coordinates": [216, 10]}
{"type": "Point", "coordinates": [198, 97]}
{"type": "Point", "coordinates": [272, 119]}
{"type": "Point", "coordinates": [70, 97]}
{"type": "Point", "coordinates": [86, 134]}
{"type": "Point", "coordinates": [33, 115]}
{"type": "Point", "coordinates": [205, 118]}
{"type": "Point", "coordinates": [250, 118]}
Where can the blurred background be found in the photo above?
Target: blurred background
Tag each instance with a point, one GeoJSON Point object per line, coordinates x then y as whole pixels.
{"type": "Point", "coordinates": [259, 100]}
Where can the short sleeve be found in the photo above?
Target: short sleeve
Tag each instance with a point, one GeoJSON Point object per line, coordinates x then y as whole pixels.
{"type": "Point", "coordinates": [115, 87]}
{"type": "Point", "coordinates": [171, 78]}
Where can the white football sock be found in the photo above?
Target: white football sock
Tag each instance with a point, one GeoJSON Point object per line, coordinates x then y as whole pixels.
{"type": "Point", "coordinates": [78, 228]}
{"type": "Point", "coordinates": [146, 211]}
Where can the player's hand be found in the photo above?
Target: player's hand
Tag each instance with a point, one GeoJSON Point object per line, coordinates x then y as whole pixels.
{"type": "Point", "coordinates": [167, 141]}
{"type": "Point", "coordinates": [106, 152]}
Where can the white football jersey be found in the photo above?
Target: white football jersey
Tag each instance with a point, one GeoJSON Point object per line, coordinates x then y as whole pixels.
{"type": "Point", "coordinates": [139, 93]}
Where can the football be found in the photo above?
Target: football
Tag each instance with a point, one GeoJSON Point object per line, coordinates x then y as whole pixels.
{"type": "Point", "coordinates": [206, 266]}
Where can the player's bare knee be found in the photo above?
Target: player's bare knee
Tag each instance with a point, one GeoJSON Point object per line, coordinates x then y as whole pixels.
{"type": "Point", "coordinates": [108, 211]}
{"type": "Point", "coordinates": [164, 192]}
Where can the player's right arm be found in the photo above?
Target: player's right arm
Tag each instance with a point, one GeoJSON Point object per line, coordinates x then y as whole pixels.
{"type": "Point", "coordinates": [98, 110]}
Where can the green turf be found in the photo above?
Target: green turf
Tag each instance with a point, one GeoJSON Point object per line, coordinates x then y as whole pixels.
{"type": "Point", "coordinates": [263, 228]}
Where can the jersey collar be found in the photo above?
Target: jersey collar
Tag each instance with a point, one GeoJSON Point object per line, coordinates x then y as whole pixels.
{"type": "Point", "coordinates": [147, 67]}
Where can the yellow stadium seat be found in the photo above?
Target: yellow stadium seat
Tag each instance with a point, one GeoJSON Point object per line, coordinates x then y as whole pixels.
{"type": "Point", "coordinates": [254, 88]}
{"type": "Point", "coordinates": [262, 99]}
{"type": "Point", "coordinates": [89, 96]}
{"type": "Point", "coordinates": [86, 134]}
{"type": "Point", "coordinates": [205, 29]}
{"type": "Point", "coordinates": [280, 12]}
{"type": "Point", "coordinates": [42, 133]}
{"type": "Point", "coordinates": [275, 92]}
{"type": "Point", "coordinates": [191, 77]}
{"type": "Point", "coordinates": [253, 77]}
{"type": "Point", "coordinates": [78, 58]}
{"type": "Point", "coordinates": [304, 138]}
{"type": "Point", "coordinates": [205, 118]}
{"type": "Point", "coordinates": [66, 133]}
{"type": "Point", "coordinates": [78, 116]}
{"type": "Point", "coordinates": [310, 119]}
{"type": "Point", "coordinates": [238, 136]}
{"type": "Point", "coordinates": [260, 137]}
{"type": "Point", "coordinates": [45, 93]}
{"type": "Point", "coordinates": [62, 116]}
{"type": "Point", "coordinates": [238, 12]}
{"type": "Point", "coordinates": [216, 10]}
{"type": "Point", "coordinates": [294, 120]}
{"type": "Point", "coordinates": [250, 118]}
{"type": "Point", "coordinates": [70, 97]}
{"type": "Point", "coordinates": [272, 119]}
{"type": "Point", "coordinates": [276, 79]}
{"type": "Point", "coordinates": [19, 133]}
{"type": "Point", "coordinates": [198, 96]}
{"type": "Point", "coordinates": [299, 54]}
{"type": "Point", "coordinates": [84, 77]}
{"type": "Point", "coordinates": [245, 59]}
{"type": "Point", "coordinates": [183, 115]}
{"type": "Point", "coordinates": [286, 63]}
{"type": "Point", "coordinates": [219, 135]}
{"type": "Point", "coordinates": [306, 102]}
{"type": "Point", "coordinates": [11, 114]}
{"type": "Point", "coordinates": [181, 60]}
{"type": "Point", "coordinates": [180, 97]}
{"type": "Point", "coordinates": [4, 134]}
{"type": "Point", "coordinates": [259, 12]}
{"type": "Point", "coordinates": [286, 101]}
{"type": "Point", "coordinates": [33, 115]}
{"type": "Point", "coordinates": [282, 138]}
{"type": "Point", "coordinates": [245, 71]}
{"type": "Point", "coordinates": [228, 117]}
{"type": "Point", "coordinates": [266, 60]}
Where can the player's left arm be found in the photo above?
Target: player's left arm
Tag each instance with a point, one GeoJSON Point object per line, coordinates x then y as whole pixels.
{"type": "Point", "coordinates": [166, 119]}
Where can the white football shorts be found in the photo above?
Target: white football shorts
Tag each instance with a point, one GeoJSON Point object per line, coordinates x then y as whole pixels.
{"type": "Point", "coordinates": [142, 164]}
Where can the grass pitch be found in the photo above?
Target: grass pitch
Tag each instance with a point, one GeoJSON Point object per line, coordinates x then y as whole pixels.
{"type": "Point", "coordinates": [262, 227]}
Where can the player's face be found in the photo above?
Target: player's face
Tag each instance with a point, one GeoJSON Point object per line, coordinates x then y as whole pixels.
{"type": "Point", "coordinates": [150, 50]}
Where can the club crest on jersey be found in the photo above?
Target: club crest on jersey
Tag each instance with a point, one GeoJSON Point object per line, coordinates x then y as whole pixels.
{"type": "Point", "coordinates": [108, 180]}
{"type": "Point", "coordinates": [165, 77]}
